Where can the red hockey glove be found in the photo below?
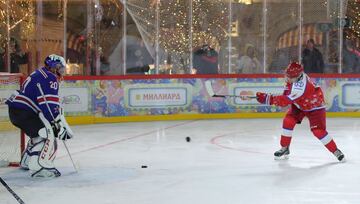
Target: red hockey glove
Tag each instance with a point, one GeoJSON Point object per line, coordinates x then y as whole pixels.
{"type": "Point", "coordinates": [281, 101]}
{"type": "Point", "coordinates": [264, 98]}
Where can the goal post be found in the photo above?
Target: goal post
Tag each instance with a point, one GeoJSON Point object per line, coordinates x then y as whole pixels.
{"type": "Point", "coordinates": [12, 141]}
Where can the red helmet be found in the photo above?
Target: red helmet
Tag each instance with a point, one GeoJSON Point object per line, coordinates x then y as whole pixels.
{"type": "Point", "coordinates": [294, 70]}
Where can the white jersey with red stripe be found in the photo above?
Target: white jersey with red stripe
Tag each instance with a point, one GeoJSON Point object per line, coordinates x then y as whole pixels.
{"type": "Point", "coordinates": [29, 97]}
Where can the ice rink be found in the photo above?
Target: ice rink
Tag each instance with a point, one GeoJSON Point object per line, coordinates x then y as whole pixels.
{"type": "Point", "coordinates": [227, 161]}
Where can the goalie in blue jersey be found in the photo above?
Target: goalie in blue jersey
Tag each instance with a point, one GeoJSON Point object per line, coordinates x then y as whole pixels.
{"type": "Point", "coordinates": [36, 110]}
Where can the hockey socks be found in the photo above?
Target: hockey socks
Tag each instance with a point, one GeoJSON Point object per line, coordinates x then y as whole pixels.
{"type": "Point", "coordinates": [326, 139]}
{"type": "Point", "coordinates": [285, 141]}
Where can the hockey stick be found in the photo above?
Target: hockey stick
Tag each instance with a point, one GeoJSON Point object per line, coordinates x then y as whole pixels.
{"type": "Point", "coordinates": [11, 191]}
{"type": "Point", "coordinates": [47, 105]}
{"type": "Point", "coordinates": [211, 92]}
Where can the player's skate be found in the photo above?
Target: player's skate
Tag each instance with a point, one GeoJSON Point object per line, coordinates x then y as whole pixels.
{"type": "Point", "coordinates": [339, 155]}
{"type": "Point", "coordinates": [282, 153]}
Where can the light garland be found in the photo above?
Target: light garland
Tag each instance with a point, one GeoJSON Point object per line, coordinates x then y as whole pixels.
{"type": "Point", "coordinates": [21, 12]}
{"type": "Point", "coordinates": [209, 22]}
{"type": "Point", "coordinates": [353, 14]}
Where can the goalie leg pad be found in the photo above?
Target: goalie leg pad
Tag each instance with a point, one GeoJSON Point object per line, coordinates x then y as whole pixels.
{"type": "Point", "coordinates": [41, 162]}
{"type": "Point", "coordinates": [24, 162]}
{"type": "Point", "coordinates": [25, 157]}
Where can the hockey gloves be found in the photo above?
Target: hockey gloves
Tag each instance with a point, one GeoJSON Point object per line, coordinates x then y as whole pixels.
{"type": "Point", "coordinates": [269, 99]}
{"type": "Point", "coordinates": [62, 133]}
{"type": "Point", "coordinates": [61, 128]}
{"type": "Point", "coordinates": [264, 98]}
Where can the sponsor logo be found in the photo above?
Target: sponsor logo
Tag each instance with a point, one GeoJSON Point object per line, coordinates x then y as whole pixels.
{"type": "Point", "coordinates": [159, 97]}
{"type": "Point", "coordinates": [71, 99]}
{"type": "Point", "coordinates": [46, 149]}
{"type": "Point", "coordinates": [299, 84]}
{"type": "Point", "coordinates": [156, 95]}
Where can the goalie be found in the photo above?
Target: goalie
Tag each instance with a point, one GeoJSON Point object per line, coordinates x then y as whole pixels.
{"type": "Point", "coordinates": [35, 109]}
{"type": "Point", "coordinates": [306, 100]}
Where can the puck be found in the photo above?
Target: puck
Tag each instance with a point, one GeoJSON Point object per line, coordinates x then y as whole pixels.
{"type": "Point", "coordinates": [143, 166]}
{"type": "Point", "coordinates": [188, 139]}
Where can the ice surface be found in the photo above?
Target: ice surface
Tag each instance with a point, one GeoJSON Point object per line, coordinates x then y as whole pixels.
{"type": "Point", "coordinates": [227, 161]}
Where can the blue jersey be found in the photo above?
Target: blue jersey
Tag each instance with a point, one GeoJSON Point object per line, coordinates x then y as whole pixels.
{"type": "Point", "coordinates": [29, 97]}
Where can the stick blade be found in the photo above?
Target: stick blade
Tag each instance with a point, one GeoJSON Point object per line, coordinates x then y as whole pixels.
{"type": "Point", "coordinates": [219, 96]}
{"type": "Point", "coordinates": [209, 88]}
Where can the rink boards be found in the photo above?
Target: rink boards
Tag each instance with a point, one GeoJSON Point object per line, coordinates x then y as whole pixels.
{"type": "Point", "coordinates": [108, 99]}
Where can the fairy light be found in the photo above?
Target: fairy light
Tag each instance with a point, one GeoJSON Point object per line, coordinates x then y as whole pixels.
{"type": "Point", "coordinates": [21, 12]}
{"type": "Point", "coordinates": [353, 13]}
{"type": "Point", "coordinates": [210, 19]}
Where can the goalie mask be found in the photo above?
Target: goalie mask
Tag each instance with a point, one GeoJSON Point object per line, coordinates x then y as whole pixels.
{"type": "Point", "coordinates": [56, 64]}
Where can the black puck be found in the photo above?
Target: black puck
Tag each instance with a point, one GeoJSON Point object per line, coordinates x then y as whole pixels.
{"type": "Point", "coordinates": [143, 166]}
{"type": "Point", "coordinates": [188, 139]}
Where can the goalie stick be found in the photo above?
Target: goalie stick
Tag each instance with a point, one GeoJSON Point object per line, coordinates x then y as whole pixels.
{"type": "Point", "coordinates": [47, 105]}
{"type": "Point", "coordinates": [211, 92]}
{"type": "Point", "coordinates": [11, 191]}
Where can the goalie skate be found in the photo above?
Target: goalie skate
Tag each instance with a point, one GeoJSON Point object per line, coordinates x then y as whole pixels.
{"type": "Point", "coordinates": [46, 173]}
{"type": "Point", "coordinates": [282, 154]}
{"type": "Point", "coordinates": [339, 155]}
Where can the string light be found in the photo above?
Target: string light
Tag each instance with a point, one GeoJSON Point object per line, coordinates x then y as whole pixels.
{"type": "Point", "coordinates": [209, 22]}
{"type": "Point", "coordinates": [21, 13]}
{"type": "Point", "coordinates": [353, 14]}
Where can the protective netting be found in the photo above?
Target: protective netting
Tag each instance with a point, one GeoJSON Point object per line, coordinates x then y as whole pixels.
{"type": "Point", "coordinates": [10, 136]}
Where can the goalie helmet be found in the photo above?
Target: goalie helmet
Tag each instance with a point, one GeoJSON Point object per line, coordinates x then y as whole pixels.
{"type": "Point", "coordinates": [53, 60]}
{"type": "Point", "coordinates": [57, 62]}
{"type": "Point", "coordinates": [294, 70]}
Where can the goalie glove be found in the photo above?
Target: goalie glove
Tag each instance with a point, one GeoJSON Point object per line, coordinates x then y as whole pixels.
{"type": "Point", "coordinates": [62, 129]}
{"type": "Point", "coordinates": [62, 133]}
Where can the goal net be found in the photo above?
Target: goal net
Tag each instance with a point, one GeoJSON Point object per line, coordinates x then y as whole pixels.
{"type": "Point", "coordinates": [11, 139]}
